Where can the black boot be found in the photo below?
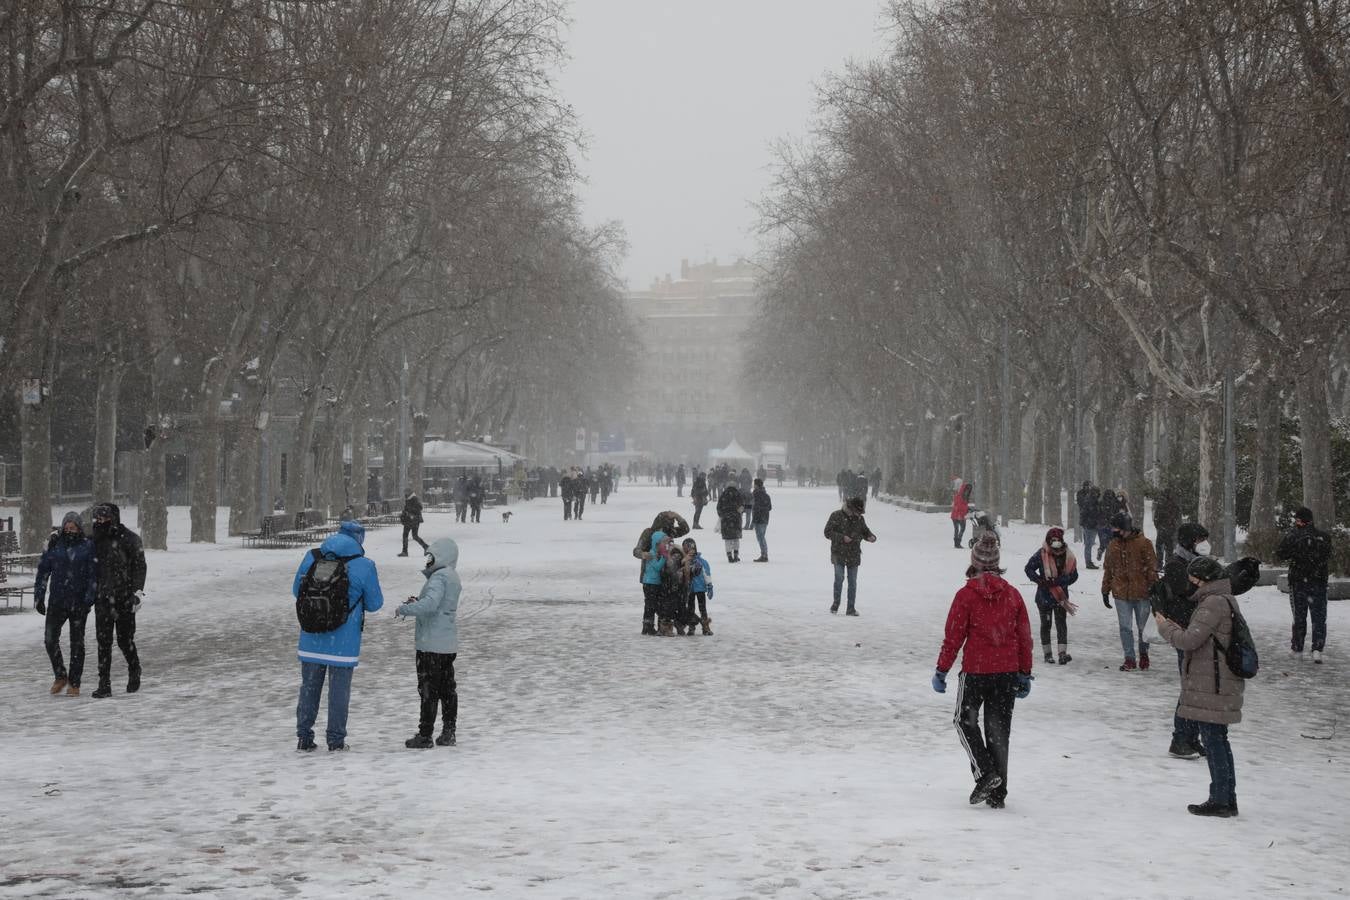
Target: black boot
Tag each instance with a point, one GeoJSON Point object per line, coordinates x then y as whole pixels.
{"type": "Point", "coordinates": [738, 556]}
{"type": "Point", "coordinates": [133, 681]}
{"type": "Point", "coordinates": [104, 690]}
{"type": "Point", "coordinates": [1182, 750]}
{"type": "Point", "coordinates": [985, 787]}
{"type": "Point", "coordinates": [305, 746]}
{"type": "Point", "coordinates": [1049, 657]}
{"type": "Point", "coordinates": [419, 741]}
{"type": "Point", "coordinates": [1210, 808]}
{"type": "Point", "coordinates": [446, 738]}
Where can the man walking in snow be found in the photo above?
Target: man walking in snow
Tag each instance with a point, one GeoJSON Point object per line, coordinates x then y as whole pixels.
{"type": "Point", "coordinates": [760, 505]}
{"type": "Point", "coordinates": [1129, 572]}
{"type": "Point", "coordinates": [1307, 551]}
{"type": "Point", "coordinates": [846, 529]}
{"type": "Point", "coordinates": [411, 519]}
{"type": "Point", "coordinates": [333, 655]}
{"type": "Point", "coordinates": [121, 579]}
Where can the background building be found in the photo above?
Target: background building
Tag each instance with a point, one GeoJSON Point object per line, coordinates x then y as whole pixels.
{"type": "Point", "coordinates": [689, 398]}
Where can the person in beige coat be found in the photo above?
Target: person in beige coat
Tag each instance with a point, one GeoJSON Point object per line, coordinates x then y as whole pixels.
{"type": "Point", "coordinates": [1211, 695]}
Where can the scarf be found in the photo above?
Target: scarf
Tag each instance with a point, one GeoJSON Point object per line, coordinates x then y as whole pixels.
{"type": "Point", "coordinates": [1051, 571]}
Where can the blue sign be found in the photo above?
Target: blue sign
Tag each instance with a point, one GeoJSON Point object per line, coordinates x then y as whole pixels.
{"type": "Point", "coordinates": [612, 443]}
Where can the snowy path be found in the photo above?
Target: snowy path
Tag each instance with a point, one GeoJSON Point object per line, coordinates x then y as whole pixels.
{"type": "Point", "coordinates": [794, 754]}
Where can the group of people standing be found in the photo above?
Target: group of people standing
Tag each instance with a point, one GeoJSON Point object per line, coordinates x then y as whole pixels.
{"type": "Point", "coordinates": [105, 573]}
{"type": "Point", "coordinates": [676, 579]}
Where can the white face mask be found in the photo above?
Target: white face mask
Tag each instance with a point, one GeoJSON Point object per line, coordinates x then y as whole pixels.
{"type": "Point", "coordinates": [1202, 548]}
{"type": "Point", "coordinates": [1056, 545]}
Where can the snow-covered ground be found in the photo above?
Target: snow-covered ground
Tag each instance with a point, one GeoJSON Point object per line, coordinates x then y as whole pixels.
{"type": "Point", "coordinates": [794, 754]}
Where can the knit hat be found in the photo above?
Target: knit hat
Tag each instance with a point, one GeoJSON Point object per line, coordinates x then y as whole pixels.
{"type": "Point", "coordinates": [1191, 533]}
{"type": "Point", "coordinates": [1206, 568]}
{"type": "Point", "coordinates": [984, 555]}
{"type": "Point", "coordinates": [1054, 534]}
{"type": "Point", "coordinates": [1303, 514]}
{"type": "Point", "coordinates": [72, 516]}
{"type": "Point", "coordinates": [1122, 521]}
{"type": "Point", "coordinates": [855, 504]}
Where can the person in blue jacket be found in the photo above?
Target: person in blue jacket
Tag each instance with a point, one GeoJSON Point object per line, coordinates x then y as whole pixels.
{"type": "Point", "coordinates": [652, 567]}
{"type": "Point", "coordinates": [334, 654]}
{"type": "Point", "coordinates": [67, 582]}
{"type": "Point", "coordinates": [699, 586]}
{"type": "Point", "coordinates": [437, 644]}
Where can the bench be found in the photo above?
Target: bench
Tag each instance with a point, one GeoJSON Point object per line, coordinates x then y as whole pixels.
{"type": "Point", "coordinates": [269, 532]}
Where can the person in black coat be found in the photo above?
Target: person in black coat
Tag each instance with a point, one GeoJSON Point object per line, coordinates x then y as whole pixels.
{"type": "Point", "coordinates": [476, 494]}
{"type": "Point", "coordinates": [1307, 551]}
{"type": "Point", "coordinates": [65, 589]}
{"type": "Point", "coordinates": [121, 579]}
{"type": "Point", "coordinates": [411, 519]}
{"type": "Point", "coordinates": [729, 521]}
{"type": "Point", "coordinates": [1107, 507]}
{"type": "Point", "coordinates": [760, 505]}
{"type": "Point", "coordinates": [1089, 519]}
{"type": "Point", "coordinates": [846, 529]}
{"type": "Point", "coordinates": [699, 494]}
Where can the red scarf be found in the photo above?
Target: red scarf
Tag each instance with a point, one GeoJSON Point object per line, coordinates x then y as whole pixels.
{"type": "Point", "coordinates": [1051, 571]}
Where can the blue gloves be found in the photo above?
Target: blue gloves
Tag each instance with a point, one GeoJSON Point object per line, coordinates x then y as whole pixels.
{"type": "Point", "coordinates": [1023, 687]}
{"type": "Point", "coordinates": [940, 681]}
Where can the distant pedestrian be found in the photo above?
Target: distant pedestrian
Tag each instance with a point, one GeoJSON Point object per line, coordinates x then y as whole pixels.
{"type": "Point", "coordinates": [121, 579]}
{"type": "Point", "coordinates": [960, 509]}
{"type": "Point", "coordinates": [729, 521]}
{"type": "Point", "coordinates": [761, 504]}
{"type": "Point", "coordinates": [411, 519]}
{"type": "Point", "coordinates": [1166, 518]}
{"type": "Point", "coordinates": [332, 654]}
{"type": "Point", "coordinates": [1089, 503]}
{"type": "Point", "coordinates": [64, 591]}
{"type": "Point", "coordinates": [846, 529]}
{"type": "Point", "coordinates": [698, 492]}
{"type": "Point", "coordinates": [1107, 507]}
{"type": "Point", "coordinates": [436, 609]}
{"type": "Point", "coordinates": [988, 625]}
{"type": "Point", "coordinates": [476, 497]}
{"type": "Point", "coordinates": [1307, 551]}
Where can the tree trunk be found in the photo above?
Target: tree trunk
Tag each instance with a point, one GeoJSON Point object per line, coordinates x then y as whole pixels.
{"type": "Point", "coordinates": [243, 473]}
{"type": "Point", "coordinates": [1314, 430]}
{"type": "Point", "coordinates": [1209, 511]}
{"type": "Point", "coordinates": [389, 474]}
{"type": "Point", "coordinates": [1052, 509]}
{"type": "Point", "coordinates": [35, 510]}
{"type": "Point", "coordinates": [300, 470]}
{"type": "Point", "coordinates": [356, 481]}
{"type": "Point", "coordinates": [1102, 455]}
{"type": "Point", "coordinates": [420, 421]}
{"type": "Point", "coordinates": [1135, 425]}
{"type": "Point", "coordinates": [204, 469]}
{"type": "Point", "coordinates": [105, 430]}
{"type": "Point", "coordinates": [153, 512]}
{"type": "Point", "coordinates": [1035, 478]}
{"type": "Point", "coordinates": [940, 477]}
{"type": "Point", "coordinates": [1266, 474]}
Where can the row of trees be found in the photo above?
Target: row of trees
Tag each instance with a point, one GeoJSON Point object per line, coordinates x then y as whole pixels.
{"type": "Point", "coordinates": [351, 202]}
{"type": "Point", "coordinates": [1077, 220]}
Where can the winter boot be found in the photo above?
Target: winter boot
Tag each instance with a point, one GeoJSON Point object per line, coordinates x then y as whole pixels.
{"type": "Point", "coordinates": [305, 746]}
{"type": "Point", "coordinates": [834, 608]}
{"type": "Point", "coordinates": [133, 681]}
{"type": "Point", "coordinates": [1049, 657]}
{"type": "Point", "coordinates": [73, 691]}
{"type": "Point", "coordinates": [1210, 808]}
{"type": "Point", "coordinates": [648, 629]}
{"type": "Point", "coordinates": [446, 738]}
{"type": "Point", "coordinates": [1182, 750]}
{"type": "Point", "coordinates": [995, 803]}
{"type": "Point", "coordinates": [707, 625]}
{"type": "Point", "coordinates": [404, 553]}
{"type": "Point", "coordinates": [984, 787]}
{"type": "Point", "coordinates": [1143, 658]}
{"type": "Point", "coordinates": [738, 556]}
{"type": "Point", "coordinates": [760, 559]}
{"type": "Point", "coordinates": [1317, 656]}
{"type": "Point", "coordinates": [59, 685]}
{"type": "Point", "coordinates": [104, 690]}
{"type": "Point", "coordinates": [1064, 657]}
{"type": "Point", "coordinates": [666, 629]}
{"type": "Point", "coordinates": [850, 611]}
{"type": "Point", "coordinates": [419, 741]}
{"type": "Point", "coordinates": [730, 558]}
{"type": "Point", "coordinates": [1128, 665]}
{"type": "Point", "coordinates": [1092, 565]}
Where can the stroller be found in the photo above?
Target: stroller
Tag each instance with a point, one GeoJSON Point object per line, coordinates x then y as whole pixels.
{"type": "Point", "coordinates": [981, 522]}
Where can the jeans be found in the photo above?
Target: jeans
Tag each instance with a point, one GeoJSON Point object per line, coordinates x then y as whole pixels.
{"type": "Point", "coordinates": [760, 528]}
{"type": "Point", "coordinates": [1185, 731]}
{"type": "Point", "coordinates": [958, 531]}
{"type": "Point", "coordinates": [988, 750]}
{"type": "Point", "coordinates": [840, 570]}
{"type": "Point", "coordinates": [1089, 538]}
{"type": "Point", "coordinates": [52, 638]}
{"type": "Point", "coordinates": [1138, 611]}
{"type": "Point", "coordinates": [1219, 755]}
{"type": "Point", "coordinates": [108, 618]}
{"type": "Point", "coordinates": [339, 695]}
{"type": "Point", "coordinates": [1302, 601]}
{"type": "Point", "coordinates": [436, 687]}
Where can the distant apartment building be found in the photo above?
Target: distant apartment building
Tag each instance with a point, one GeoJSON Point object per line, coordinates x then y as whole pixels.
{"type": "Point", "coordinates": [694, 328]}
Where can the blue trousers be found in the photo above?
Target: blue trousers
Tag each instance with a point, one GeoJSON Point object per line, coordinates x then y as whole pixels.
{"type": "Point", "coordinates": [339, 695]}
{"type": "Point", "coordinates": [840, 571]}
{"type": "Point", "coordinates": [760, 528]}
{"type": "Point", "coordinates": [1089, 538]}
{"type": "Point", "coordinates": [1219, 755]}
{"type": "Point", "coordinates": [1305, 603]}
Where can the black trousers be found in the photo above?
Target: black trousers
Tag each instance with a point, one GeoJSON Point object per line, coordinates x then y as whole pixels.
{"type": "Point", "coordinates": [436, 687]}
{"type": "Point", "coordinates": [52, 638]}
{"type": "Point", "coordinates": [110, 619]}
{"type": "Point", "coordinates": [579, 506]}
{"type": "Point", "coordinates": [567, 508]}
{"type": "Point", "coordinates": [988, 750]}
{"type": "Point", "coordinates": [1061, 620]}
{"type": "Point", "coordinates": [412, 529]}
{"type": "Point", "coordinates": [475, 511]}
{"type": "Point", "coordinates": [698, 511]}
{"type": "Point", "coordinates": [651, 602]}
{"type": "Point", "coordinates": [698, 608]}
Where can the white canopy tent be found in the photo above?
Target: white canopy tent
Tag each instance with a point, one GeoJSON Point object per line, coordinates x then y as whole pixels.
{"type": "Point", "coordinates": [733, 455]}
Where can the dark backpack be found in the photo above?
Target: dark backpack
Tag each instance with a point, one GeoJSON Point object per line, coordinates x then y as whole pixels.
{"type": "Point", "coordinates": [1240, 654]}
{"type": "Point", "coordinates": [322, 604]}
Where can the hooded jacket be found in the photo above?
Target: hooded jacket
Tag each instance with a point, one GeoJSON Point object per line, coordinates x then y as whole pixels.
{"type": "Point", "coordinates": [960, 503]}
{"type": "Point", "coordinates": [989, 619]}
{"type": "Point", "coordinates": [342, 647]}
{"type": "Point", "coordinates": [121, 559]}
{"type": "Point", "coordinates": [672, 523]}
{"type": "Point", "coordinates": [1307, 551]}
{"type": "Point", "coordinates": [729, 513]}
{"type": "Point", "coordinates": [437, 606]}
{"type": "Point", "coordinates": [1210, 692]}
{"type": "Point", "coordinates": [651, 568]}
{"type": "Point", "coordinates": [67, 574]}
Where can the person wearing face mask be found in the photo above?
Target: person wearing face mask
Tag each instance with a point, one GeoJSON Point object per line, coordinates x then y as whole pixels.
{"type": "Point", "coordinates": [1129, 572]}
{"type": "Point", "coordinates": [1052, 569]}
{"type": "Point", "coordinates": [67, 582]}
{"type": "Point", "coordinates": [121, 579]}
{"type": "Point", "coordinates": [1307, 551]}
{"type": "Point", "coordinates": [437, 645]}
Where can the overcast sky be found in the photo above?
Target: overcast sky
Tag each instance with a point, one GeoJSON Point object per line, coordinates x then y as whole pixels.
{"type": "Point", "coordinates": [682, 101]}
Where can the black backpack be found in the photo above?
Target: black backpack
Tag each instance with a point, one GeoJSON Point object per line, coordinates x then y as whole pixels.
{"type": "Point", "coordinates": [1240, 654]}
{"type": "Point", "coordinates": [322, 604]}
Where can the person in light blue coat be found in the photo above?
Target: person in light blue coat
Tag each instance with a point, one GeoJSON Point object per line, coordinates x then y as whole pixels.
{"type": "Point", "coordinates": [437, 644]}
{"type": "Point", "coordinates": [333, 655]}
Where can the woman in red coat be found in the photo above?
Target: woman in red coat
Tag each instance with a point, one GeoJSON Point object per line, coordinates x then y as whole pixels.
{"type": "Point", "coordinates": [989, 619]}
{"type": "Point", "coordinates": [960, 508]}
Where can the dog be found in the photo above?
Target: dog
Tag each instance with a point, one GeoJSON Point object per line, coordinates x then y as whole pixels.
{"type": "Point", "coordinates": [506, 517]}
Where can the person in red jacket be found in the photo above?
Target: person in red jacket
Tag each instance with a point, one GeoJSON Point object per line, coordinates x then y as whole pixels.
{"type": "Point", "coordinates": [989, 619]}
{"type": "Point", "coordinates": [960, 508]}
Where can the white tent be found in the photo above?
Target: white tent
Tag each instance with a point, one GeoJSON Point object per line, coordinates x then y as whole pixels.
{"type": "Point", "coordinates": [734, 455]}
{"type": "Point", "coordinates": [450, 455]}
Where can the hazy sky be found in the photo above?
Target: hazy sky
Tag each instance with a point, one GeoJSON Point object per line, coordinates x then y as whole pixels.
{"type": "Point", "coordinates": [681, 102]}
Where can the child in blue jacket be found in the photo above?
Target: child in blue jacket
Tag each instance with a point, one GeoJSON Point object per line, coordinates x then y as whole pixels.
{"type": "Point", "coordinates": [700, 586]}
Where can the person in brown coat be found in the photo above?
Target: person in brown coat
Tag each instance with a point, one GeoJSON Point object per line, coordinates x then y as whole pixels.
{"type": "Point", "coordinates": [1211, 695]}
{"type": "Point", "coordinates": [1130, 569]}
